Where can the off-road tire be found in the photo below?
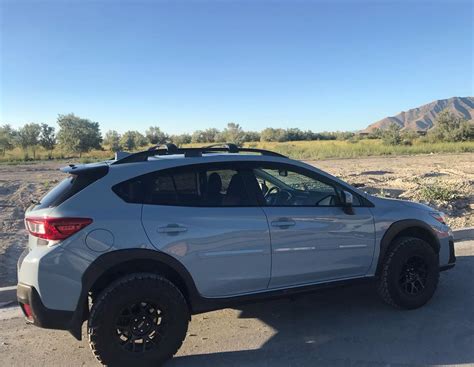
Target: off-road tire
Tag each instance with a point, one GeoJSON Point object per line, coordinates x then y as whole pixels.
{"type": "Point", "coordinates": [388, 283]}
{"type": "Point", "coordinates": [137, 288]}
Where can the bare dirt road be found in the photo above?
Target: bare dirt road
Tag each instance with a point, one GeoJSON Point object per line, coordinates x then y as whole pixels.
{"type": "Point", "coordinates": [339, 327]}
{"type": "Point", "coordinates": [404, 177]}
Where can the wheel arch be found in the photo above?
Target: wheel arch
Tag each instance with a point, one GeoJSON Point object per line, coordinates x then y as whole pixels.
{"type": "Point", "coordinates": [407, 227]}
{"type": "Point", "coordinates": [113, 265]}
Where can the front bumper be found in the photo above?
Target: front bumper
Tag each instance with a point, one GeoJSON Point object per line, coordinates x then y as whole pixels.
{"type": "Point", "coordinates": [452, 257]}
{"type": "Point", "coordinates": [36, 313]}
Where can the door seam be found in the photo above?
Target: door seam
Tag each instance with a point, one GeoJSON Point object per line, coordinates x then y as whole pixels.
{"type": "Point", "coordinates": [271, 246]}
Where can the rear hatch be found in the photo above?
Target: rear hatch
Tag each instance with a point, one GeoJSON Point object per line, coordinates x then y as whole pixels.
{"type": "Point", "coordinates": [40, 223]}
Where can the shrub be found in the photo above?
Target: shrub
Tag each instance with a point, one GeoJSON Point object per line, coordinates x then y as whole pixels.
{"type": "Point", "coordinates": [439, 192]}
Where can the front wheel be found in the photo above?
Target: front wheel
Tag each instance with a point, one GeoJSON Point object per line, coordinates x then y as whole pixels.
{"type": "Point", "coordinates": [410, 273]}
{"type": "Point", "coordinates": [139, 320]}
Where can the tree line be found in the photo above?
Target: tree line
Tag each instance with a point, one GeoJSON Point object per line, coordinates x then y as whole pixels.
{"type": "Point", "coordinates": [78, 135]}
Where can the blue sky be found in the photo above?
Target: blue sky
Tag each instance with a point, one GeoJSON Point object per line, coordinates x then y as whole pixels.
{"type": "Point", "coordinates": [324, 66]}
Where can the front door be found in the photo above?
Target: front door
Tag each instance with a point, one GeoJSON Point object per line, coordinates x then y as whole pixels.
{"type": "Point", "coordinates": [203, 216]}
{"type": "Point", "coordinates": [313, 238]}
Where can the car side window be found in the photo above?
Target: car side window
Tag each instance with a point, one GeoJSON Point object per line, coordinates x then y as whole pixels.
{"type": "Point", "coordinates": [179, 188]}
{"type": "Point", "coordinates": [189, 186]}
{"type": "Point", "coordinates": [286, 187]}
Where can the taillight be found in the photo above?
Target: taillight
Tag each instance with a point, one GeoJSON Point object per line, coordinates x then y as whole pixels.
{"type": "Point", "coordinates": [55, 228]}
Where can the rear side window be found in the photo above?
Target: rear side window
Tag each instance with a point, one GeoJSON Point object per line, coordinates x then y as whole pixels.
{"type": "Point", "coordinates": [190, 186]}
{"type": "Point", "coordinates": [68, 187]}
{"type": "Point", "coordinates": [179, 188]}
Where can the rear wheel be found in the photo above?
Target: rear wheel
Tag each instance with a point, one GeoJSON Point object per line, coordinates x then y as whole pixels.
{"type": "Point", "coordinates": [410, 273]}
{"type": "Point", "coordinates": [139, 320]}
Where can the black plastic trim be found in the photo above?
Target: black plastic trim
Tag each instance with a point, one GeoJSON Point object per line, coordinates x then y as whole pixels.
{"type": "Point", "coordinates": [212, 304]}
{"type": "Point", "coordinates": [452, 253]}
{"type": "Point", "coordinates": [395, 229]}
{"type": "Point", "coordinates": [42, 316]}
{"type": "Point", "coordinates": [446, 267]}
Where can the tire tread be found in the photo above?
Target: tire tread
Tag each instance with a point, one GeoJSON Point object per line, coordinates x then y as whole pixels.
{"type": "Point", "coordinates": [116, 286]}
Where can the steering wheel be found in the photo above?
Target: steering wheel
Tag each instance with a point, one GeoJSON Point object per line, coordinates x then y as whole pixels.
{"type": "Point", "coordinates": [270, 191]}
{"type": "Point", "coordinates": [276, 194]}
{"type": "Point", "coordinates": [271, 195]}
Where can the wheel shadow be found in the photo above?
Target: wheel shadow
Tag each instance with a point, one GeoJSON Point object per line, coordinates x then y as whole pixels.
{"type": "Point", "coordinates": [351, 326]}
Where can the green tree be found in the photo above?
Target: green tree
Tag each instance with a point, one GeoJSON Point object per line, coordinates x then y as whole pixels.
{"type": "Point", "coordinates": [78, 135]}
{"type": "Point", "coordinates": [180, 139]}
{"type": "Point", "coordinates": [233, 133]}
{"type": "Point", "coordinates": [271, 134]}
{"type": "Point", "coordinates": [251, 136]}
{"type": "Point", "coordinates": [408, 137]}
{"type": "Point", "coordinates": [376, 133]}
{"type": "Point", "coordinates": [7, 138]}
{"type": "Point", "coordinates": [294, 134]}
{"type": "Point", "coordinates": [155, 135]}
{"type": "Point", "coordinates": [392, 135]}
{"type": "Point", "coordinates": [449, 127]}
{"type": "Point", "coordinates": [28, 137]}
{"type": "Point", "coordinates": [211, 135]}
{"type": "Point", "coordinates": [47, 139]}
{"type": "Point", "coordinates": [112, 140]}
{"type": "Point", "coordinates": [131, 140]}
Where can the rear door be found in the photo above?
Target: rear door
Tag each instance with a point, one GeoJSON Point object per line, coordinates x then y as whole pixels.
{"type": "Point", "coordinates": [203, 216]}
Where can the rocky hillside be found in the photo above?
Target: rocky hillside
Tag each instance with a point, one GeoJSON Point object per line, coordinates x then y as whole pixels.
{"type": "Point", "coordinates": [424, 117]}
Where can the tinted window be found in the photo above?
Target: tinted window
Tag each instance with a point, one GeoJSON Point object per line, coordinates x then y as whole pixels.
{"type": "Point", "coordinates": [172, 189]}
{"type": "Point", "coordinates": [58, 191]}
{"type": "Point", "coordinates": [190, 186]}
{"type": "Point", "coordinates": [68, 187]}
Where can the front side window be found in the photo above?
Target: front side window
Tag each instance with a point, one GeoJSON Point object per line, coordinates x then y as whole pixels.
{"type": "Point", "coordinates": [285, 187]}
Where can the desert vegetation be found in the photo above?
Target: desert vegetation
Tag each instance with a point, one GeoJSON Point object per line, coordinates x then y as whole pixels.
{"type": "Point", "coordinates": [82, 138]}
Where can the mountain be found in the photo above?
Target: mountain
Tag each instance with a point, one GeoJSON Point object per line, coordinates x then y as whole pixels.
{"type": "Point", "coordinates": [424, 117]}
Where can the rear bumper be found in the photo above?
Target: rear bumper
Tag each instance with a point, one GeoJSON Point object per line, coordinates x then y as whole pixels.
{"type": "Point", "coordinates": [49, 288]}
{"type": "Point", "coordinates": [36, 313]}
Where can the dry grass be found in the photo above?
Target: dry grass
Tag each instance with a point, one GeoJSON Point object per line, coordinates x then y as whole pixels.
{"type": "Point", "coordinates": [361, 148]}
{"type": "Point", "coordinates": [318, 149]}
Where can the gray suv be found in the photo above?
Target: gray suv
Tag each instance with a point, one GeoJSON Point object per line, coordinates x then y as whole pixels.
{"type": "Point", "coordinates": [137, 244]}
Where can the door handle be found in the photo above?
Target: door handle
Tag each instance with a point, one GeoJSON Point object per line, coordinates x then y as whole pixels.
{"type": "Point", "coordinates": [172, 229]}
{"type": "Point", "coordinates": [283, 223]}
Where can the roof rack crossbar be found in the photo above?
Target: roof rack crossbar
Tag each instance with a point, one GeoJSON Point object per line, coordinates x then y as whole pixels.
{"type": "Point", "coordinates": [170, 149]}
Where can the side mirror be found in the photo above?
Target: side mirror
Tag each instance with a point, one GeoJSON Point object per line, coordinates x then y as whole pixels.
{"type": "Point", "coordinates": [347, 201]}
{"type": "Point", "coordinates": [283, 172]}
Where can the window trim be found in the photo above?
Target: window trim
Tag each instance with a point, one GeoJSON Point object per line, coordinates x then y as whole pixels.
{"type": "Point", "coordinates": [248, 166]}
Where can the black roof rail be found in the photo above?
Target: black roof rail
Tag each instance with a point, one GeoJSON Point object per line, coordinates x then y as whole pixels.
{"type": "Point", "coordinates": [232, 148]}
{"type": "Point", "coordinates": [170, 149]}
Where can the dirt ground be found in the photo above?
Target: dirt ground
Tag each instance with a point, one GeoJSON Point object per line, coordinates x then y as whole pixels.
{"type": "Point", "coordinates": [340, 327]}
{"type": "Point", "coordinates": [399, 177]}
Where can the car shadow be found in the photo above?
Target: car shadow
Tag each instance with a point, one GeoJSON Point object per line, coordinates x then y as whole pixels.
{"type": "Point", "coordinates": [351, 326]}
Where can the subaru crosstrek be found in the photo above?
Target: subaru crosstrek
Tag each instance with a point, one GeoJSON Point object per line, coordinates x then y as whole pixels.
{"type": "Point", "coordinates": [137, 244]}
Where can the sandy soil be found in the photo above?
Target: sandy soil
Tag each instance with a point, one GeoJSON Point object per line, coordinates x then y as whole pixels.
{"type": "Point", "coordinates": [402, 177]}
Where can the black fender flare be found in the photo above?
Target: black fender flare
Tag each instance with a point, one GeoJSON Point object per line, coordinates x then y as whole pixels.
{"type": "Point", "coordinates": [398, 227]}
{"type": "Point", "coordinates": [102, 264]}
